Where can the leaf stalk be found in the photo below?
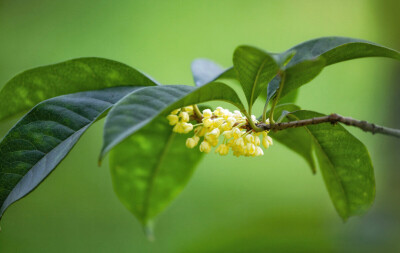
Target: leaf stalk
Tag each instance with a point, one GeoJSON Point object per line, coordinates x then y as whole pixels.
{"type": "Point", "coordinates": [275, 101]}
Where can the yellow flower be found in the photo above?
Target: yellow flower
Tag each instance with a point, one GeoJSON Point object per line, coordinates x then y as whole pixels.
{"type": "Point", "coordinates": [192, 142]}
{"type": "Point", "coordinates": [205, 147]}
{"type": "Point", "coordinates": [259, 152]}
{"type": "Point", "coordinates": [188, 109]}
{"type": "Point", "coordinates": [176, 111]}
{"type": "Point", "coordinates": [222, 149]}
{"type": "Point", "coordinates": [208, 122]}
{"type": "Point", "coordinates": [184, 116]}
{"type": "Point", "coordinates": [207, 113]}
{"type": "Point", "coordinates": [266, 143]}
{"type": "Point", "coordinates": [250, 148]}
{"type": "Point", "coordinates": [233, 126]}
{"type": "Point", "coordinates": [187, 127]}
{"type": "Point", "coordinates": [250, 138]}
{"type": "Point", "coordinates": [227, 134]}
{"type": "Point", "coordinates": [236, 133]}
{"type": "Point", "coordinates": [173, 119]}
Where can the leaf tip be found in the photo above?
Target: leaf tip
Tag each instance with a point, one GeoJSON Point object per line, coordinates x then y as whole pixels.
{"type": "Point", "coordinates": [148, 229]}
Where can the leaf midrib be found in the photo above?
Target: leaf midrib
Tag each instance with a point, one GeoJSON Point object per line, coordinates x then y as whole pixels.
{"type": "Point", "coordinates": [331, 165]}
{"type": "Point", "coordinates": [47, 153]}
{"type": "Point", "coordinates": [154, 172]}
{"type": "Point", "coordinates": [333, 169]}
{"type": "Point", "coordinates": [255, 82]}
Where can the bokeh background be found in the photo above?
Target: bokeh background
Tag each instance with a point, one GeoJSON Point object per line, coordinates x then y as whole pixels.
{"type": "Point", "coordinates": [272, 203]}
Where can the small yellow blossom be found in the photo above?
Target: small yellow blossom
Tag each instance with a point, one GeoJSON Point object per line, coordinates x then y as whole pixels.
{"type": "Point", "coordinates": [208, 122]}
{"type": "Point", "coordinates": [192, 142]}
{"type": "Point", "coordinates": [207, 113]}
{"type": "Point", "coordinates": [184, 116]}
{"type": "Point", "coordinates": [205, 147]}
{"type": "Point", "coordinates": [173, 119]}
{"type": "Point", "coordinates": [222, 149]}
{"type": "Point", "coordinates": [174, 112]}
{"type": "Point", "coordinates": [237, 135]}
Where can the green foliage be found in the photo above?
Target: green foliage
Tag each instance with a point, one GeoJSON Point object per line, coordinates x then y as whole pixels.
{"type": "Point", "coordinates": [345, 165]}
{"type": "Point", "coordinates": [296, 139]}
{"type": "Point", "coordinates": [139, 108]}
{"type": "Point", "coordinates": [27, 89]}
{"type": "Point", "coordinates": [255, 69]}
{"type": "Point", "coordinates": [150, 168]}
{"type": "Point", "coordinates": [312, 56]}
{"type": "Point", "coordinates": [338, 49]}
{"type": "Point", "coordinates": [149, 163]}
{"type": "Point", "coordinates": [42, 138]}
{"type": "Point", "coordinates": [205, 71]}
{"type": "Point", "coordinates": [299, 74]}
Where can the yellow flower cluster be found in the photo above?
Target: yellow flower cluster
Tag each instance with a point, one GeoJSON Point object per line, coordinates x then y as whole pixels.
{"type": "Point", "coordinates": [232, 127]}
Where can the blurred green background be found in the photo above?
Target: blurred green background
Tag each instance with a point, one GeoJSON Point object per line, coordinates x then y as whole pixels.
{"type": "Point", "coordinates": [272, 203]}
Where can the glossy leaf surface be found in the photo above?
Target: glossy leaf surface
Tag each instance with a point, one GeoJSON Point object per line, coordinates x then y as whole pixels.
{"type": "Point", "coordinates": [140, 108]}
{"type": "Point", "coordinates": [255, 69]}
{"type": "Point", "coordinates": [296, 139]}
{"type": "Point", "coordinates": [44, 136]}
{"type": "Point", "coordinates": [345, 165]}
{"type": "Point", "coordinates": [150, 168]}
{"type": "Point", "coordinates": [27, 89]}
{"type": "Point", "coordinates": [313, 55]}
{"type": "Point", "coordinates": [205, 71]}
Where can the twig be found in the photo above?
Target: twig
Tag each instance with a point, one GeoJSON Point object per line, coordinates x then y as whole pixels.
{"type": "Point", "coordinates": [333, 119]}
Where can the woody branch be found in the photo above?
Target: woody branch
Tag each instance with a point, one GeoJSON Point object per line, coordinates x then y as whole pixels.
{"type": "Point", "coordinates": [333, 119]}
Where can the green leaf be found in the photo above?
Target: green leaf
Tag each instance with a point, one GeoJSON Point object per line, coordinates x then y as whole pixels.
{"type": "Point", "coordinates": [255, 69]}
{"type": "Point", "coordinates": [290, 98]}
{"type": "Point", "coordinates": [296, 139]}
{"type": "Point", "coordinates": [338, 49]}
{"type": "Point", "coordinates": [43, 137]}
{"type": "Point", "coordinates": [301, 74]}
{"type": "Point", "coordinates": [205, 71]}
{"type": "Point", "coordinates": [345, 165]}
{"type": "Point", "coordinates": [140, 108]}
{"type": "Point", "coordinates": [33, 86]}
{"type": "Point", "coordinates": [312, 56]}
{"type": "Point", "coordinates": [150, 168]}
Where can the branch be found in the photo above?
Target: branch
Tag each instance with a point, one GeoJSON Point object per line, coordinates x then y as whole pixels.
{"type": "Point", "coordinates": [333, 119]}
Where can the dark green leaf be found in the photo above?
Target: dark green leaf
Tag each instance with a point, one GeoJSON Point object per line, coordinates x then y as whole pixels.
{"type": "Point", "coordinates": [205, 71]}
{"type": "Point", "coordinates": [312, 56]}
{"type": "Point", "coordinates": [33, 86]}
{"type": "Point", "coordinates": [255, 69]}
{"type": "Point", "coordinates": [150, 168]}
{"type": "Point", "coordinates": [301, 74]}
{"type": "Point", "coordinates": [337, 49]}
{"type": "Point", "coordinates": [140, 108]}
{"type": "Point", "coordinates": [290, 98]}
{"type": "Point", "coordinates": [42, 138]}
{"type": "Point", "coordinates": [296, 139]}
{"type": "Point", "coordinates": [345, 165]}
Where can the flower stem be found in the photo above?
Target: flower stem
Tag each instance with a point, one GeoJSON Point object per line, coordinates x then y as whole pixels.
{"type": "Point", "coordinates": [197, 111]}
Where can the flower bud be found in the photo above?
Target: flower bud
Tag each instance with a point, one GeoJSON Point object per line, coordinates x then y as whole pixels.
{"type": "Point", "coordinates": [174, 112]}
{"type": "Point", "coordinates": [208, 122]}
{"type": "Point", "coordinates": [190, 143]}
{"type": "Point", "coordinates": [187, 127]}
{"type": "Point", "coordinates": [173, 119]}
{"type": "Point", "coordinates": [205, 147]}
{"type": "Point", "coordinates": [207, 113]}
{"type": "Point", "coordinates": [184, 116]}
{"type": "Point", "coordinates": [188, 109]}
{"type": "Point", "coordinates": [265, 143]}
{"type": "Point", "coordinates": [249, 138]}
{"type": "Point", "coordinates": [222, 149]}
